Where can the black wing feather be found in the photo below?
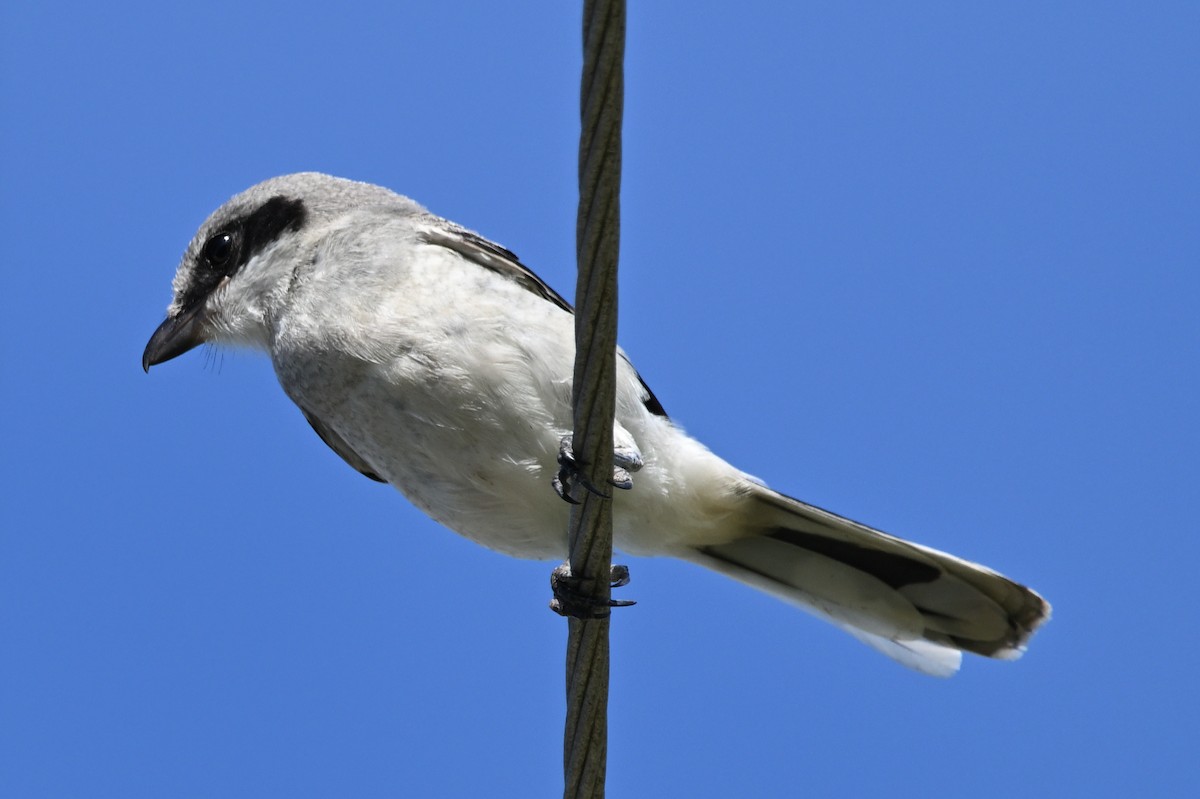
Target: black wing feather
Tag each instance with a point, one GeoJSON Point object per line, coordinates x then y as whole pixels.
{"type": "Point", "coordinates": [504, 262]}
{"type": "Point", "coordinates": [339, 445]}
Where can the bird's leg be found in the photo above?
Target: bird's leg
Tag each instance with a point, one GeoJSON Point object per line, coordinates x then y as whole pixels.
{"type": "Point", "coordinates": [625, 460]}
{"type": "Point", "coordinates": [571, 597]}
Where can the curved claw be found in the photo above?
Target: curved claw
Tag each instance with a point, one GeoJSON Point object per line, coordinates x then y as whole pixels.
{"type": "Point", "coordinates": [561, 487]}
{"type": "Point", "coordinates": [625, 460]}
{"type": "Point", "coordinates": [570, 598]}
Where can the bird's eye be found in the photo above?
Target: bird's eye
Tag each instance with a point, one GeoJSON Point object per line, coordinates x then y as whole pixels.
{"type": "Point", "coordinates": [218, 250]}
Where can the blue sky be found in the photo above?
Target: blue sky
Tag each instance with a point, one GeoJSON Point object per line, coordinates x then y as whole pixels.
{"type": "Point", "coordinates": [931, 265]}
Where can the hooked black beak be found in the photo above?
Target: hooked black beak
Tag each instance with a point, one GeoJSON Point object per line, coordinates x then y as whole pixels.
{"type": "Point", "coordinates": [175, 336]}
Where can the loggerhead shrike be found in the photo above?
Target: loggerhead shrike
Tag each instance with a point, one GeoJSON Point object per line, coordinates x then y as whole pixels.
{"type": "Point", "coordinates": [431, 358]}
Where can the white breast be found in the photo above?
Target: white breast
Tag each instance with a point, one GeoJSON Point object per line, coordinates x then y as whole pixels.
{"type": "Point", "coordinates": [453, 382]}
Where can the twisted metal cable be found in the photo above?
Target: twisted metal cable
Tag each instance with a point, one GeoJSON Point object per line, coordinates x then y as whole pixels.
{"type": "Point", "coordinates": [597, 235]}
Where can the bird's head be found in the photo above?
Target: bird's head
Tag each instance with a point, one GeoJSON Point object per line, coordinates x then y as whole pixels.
{"type": "Point", "coordinates": [240, 263]}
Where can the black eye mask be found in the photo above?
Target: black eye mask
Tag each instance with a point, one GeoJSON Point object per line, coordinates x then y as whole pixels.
{"type": "Point", "coordinates": [235, 244]}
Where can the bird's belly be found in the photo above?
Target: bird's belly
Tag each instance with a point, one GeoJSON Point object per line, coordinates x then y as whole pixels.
{"type": "Point", "coordinates": [491, 483]}
{"type": "Point", "coordinates": [483, 471]}
{"type": "Point", "coordinates": [475, 446]}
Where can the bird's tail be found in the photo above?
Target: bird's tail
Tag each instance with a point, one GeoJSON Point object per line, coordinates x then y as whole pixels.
{"type": "Point", "coordinates": [922, 607]}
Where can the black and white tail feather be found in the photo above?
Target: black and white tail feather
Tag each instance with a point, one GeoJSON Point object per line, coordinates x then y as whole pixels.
{"type": "Point", "coordinates": [920, 607]}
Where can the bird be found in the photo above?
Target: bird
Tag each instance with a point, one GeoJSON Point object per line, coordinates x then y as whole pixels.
{"type": "Point", "coordinates": [430, 358]}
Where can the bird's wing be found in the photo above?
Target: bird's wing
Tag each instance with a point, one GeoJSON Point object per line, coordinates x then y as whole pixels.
{"type": "Point", "coordinates": [490, 255]}
{"type": "Point", "coordinates": [339, 445]}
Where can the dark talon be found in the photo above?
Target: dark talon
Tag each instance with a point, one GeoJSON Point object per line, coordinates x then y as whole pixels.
{"type": "Point", "coordinates": [626, 460]}
{"type": "Point", "coordinates": [570, 598]}
{"type": "Point", "coordinates": [560, 487]}
{"type": "Point", "coordinates": [570, 473]}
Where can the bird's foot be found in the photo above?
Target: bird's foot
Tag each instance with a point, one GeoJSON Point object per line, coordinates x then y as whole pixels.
{"type": "Point", "coordinates": [572, 597]}
{"type": "Point", "coordinates": [625, 460]}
